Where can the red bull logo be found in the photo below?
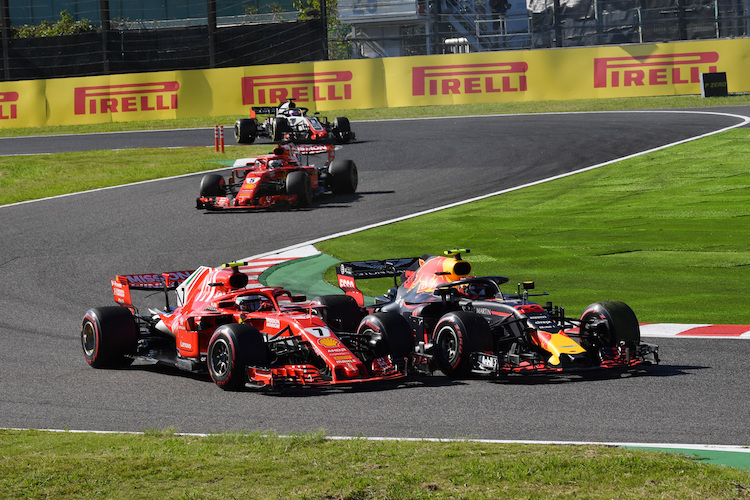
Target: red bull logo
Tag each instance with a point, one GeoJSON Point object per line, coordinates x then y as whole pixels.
{"type": "Point", "coordinates": [668, 69]}
{"type": "Point", "coordinates": [156, 96]}
{"type": "Point", "coordinates": [469, 78]}
{"type": "Point", "coordinates": [302, 87]}
{"type": "Point", "coordinates": [8, 106]}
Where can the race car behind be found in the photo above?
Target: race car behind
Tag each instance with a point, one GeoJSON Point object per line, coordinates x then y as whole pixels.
{"type": "Point", "coordinates": [291, 123]}
{"type": "Point", "coordinates": [283, 177]}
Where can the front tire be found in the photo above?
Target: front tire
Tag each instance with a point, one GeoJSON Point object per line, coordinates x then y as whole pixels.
{"type": "Point", "coordinates": [343, 176]}
{"type": "Point", "coordinates": [456, 336]}
{"type": "Point", "coordinates": [212, 185]}
{"type": "Point", "coordinates": [231, 348]}
{"type": "Point", "coordinates": [245, 130]}
{"type": "Point", "coordinates": [280, 127]}
{"type": "Point", "coordinates": [108, 336]}
{"type": "Point", "coordinates": [607, 324]}
{"type": "Point", "coordinates": [342, 130]}
{"type": "Point", "coordinates": [389, 333]}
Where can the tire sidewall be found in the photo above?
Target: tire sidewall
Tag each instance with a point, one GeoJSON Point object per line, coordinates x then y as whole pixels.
{"type": "Point", "coordinates": [115, 336]}
{"type": "Point", "coordinates": [244, 346]}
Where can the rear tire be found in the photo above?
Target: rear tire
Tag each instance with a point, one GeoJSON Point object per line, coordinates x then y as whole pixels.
{"type": "Point", "coordinates": [108, 336]}
{"type": "Point", "coordinates": [457, 335]}
{"type": "Point", "coordinates": [232, 348]}
{"type": "Point", "coordinates": [245, 130]}
{"type": "Point", "coordinates": [341, 312]}
{"type": "Point", "coordinates": [298, 183]}
{"type": "Point", "coordinates": [343, 176]}
{"type": "Point", "coordinates": [212, 185]}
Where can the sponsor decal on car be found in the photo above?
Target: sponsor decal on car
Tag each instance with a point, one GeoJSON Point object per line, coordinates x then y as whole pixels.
{"type": "Point", "coordinates": [273, 323]}
{"type": "Point", "coordinates": [329, 342]}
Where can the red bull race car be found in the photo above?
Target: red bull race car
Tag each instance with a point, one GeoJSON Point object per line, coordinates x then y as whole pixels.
{"type": "Point", "coordinates": [241, 335]}
{"type": "Point", "coordinates": [283, 177]}
{"type": "Point", "coordinates": [291, 123]}
{"type": "Point", "coordinates": [464, 324]}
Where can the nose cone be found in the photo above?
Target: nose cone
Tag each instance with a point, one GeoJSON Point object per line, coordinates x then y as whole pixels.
{"type": "Point", "coordinates": [557, 344]}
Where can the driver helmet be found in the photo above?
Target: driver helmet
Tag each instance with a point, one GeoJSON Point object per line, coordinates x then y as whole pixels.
{"type": "Point", "coordinates": [294, 112]}
{"type": "Point", "coordinates": [251, 303]}
{"type": "Point", "coordinates": [275, 164]}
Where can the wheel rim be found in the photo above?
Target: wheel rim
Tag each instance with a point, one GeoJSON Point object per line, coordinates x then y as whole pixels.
{"type": "Point", "coordinates": [220, 358]}
{"type": "Point", "coordinates": [448, 344]}
{"type": "Point", "coordinates": [88, 340]}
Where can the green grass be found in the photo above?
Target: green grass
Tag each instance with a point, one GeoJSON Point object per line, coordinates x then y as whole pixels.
{"type": "Point", "coordinates": [36, 464]}
{"type": "Point", "coordinates": [668, 233]}
{"type": "Point", "coordinates": [32, 177]}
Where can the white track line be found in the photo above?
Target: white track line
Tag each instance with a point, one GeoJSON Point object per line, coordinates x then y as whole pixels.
{"type": "Point", "coordinates": [671, 446]}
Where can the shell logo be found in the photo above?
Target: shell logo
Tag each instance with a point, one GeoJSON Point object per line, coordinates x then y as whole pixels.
{"type": "Point", "coordinates": [329, 342]}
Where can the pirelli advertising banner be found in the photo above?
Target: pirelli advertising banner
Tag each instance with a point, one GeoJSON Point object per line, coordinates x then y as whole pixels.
{"type": "Point", "coordinates": [560, 74]}
{"type": "Point", "coordinates": [532, 75]}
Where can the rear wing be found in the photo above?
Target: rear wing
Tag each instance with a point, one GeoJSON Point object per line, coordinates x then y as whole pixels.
{"type": "Point", "coordinates": [123, 284]}
{"type": "Point", "coordinates": [349, 272]}
{"type": "Point", "coordinates": [265, 110]}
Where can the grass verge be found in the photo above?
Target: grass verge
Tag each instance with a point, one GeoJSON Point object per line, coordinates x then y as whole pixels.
{"type": "Point", "coordinates": [668, 233]}
{"type": "Point", "coordinates": [37, 464]}
{"type": "Point", "coordinates": [25, 178]}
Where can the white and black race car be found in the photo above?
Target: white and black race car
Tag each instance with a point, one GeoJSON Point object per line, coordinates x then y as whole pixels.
{"type": "Point", "coordinates": [291, 123]}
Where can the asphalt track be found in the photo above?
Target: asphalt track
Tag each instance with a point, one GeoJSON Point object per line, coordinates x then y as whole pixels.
{"type": "Point", "coordinates": [57, 255]}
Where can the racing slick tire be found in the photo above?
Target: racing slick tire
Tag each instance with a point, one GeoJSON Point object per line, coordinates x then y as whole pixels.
{"type": "Point", "coordinates": [607, 324]}
{"type": "Point", "coordinates": [456, 336]}
{"type": "Point", "coordinates": [342, 130]}
{"type": "Point", "coordinates": [280, 127]}
{"type": "Point", "coordinates": [231, 348]}
{"type": "Point", "coordinates": [212, 185]}
{"type": "Point", "coordinates": [108, 336]}
{"type": "Point", "coordinates": [389, 333]}
{"type": "Point", "coordinates": [343, 176]}
{"type": "Point", "coordinates": [245, 130]}
{"type": "Point", "coordinates": [298, 183]}
{"type": "Point", "coordinates": [341, 312]}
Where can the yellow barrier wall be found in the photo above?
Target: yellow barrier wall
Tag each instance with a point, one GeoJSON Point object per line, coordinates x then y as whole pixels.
{"type": "Point", "coordinates": [531, 75]}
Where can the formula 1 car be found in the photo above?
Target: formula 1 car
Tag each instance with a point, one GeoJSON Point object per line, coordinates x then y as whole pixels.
{"type": "Point", "coordinates": [281, 177]}
{"type": "Point", "coordinates": [291, 123]}
{"type": "Point", "coordinates": [240, 335]}
{"type": "Point", "coordinates": [464, 324]}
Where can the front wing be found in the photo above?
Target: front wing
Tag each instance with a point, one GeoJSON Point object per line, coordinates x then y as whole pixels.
{"type": "Point", "coordinates": [310, 375]}
{"type": "Point", "coordinates": [622, 358]}
{"type": "Point", "coordinates": [226, 203]}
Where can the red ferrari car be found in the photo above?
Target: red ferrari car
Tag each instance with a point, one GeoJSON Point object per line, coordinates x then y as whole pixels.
{"type": "Point", "coordinates": [282, 177]}
{"type": "Point", "coordinates": [240, 335]}
{"type": "Point", "coordinates": [464, 324]}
